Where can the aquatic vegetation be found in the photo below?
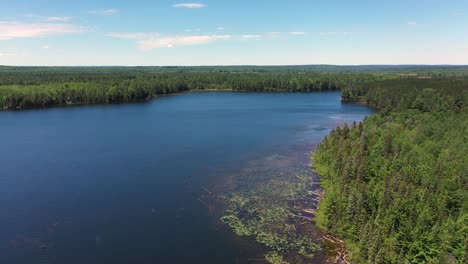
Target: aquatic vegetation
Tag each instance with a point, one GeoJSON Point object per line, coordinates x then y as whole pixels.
{"type": "Point", "coordinates": [274, 258]}
{"type": "Point", "coordinates": [265, 211]}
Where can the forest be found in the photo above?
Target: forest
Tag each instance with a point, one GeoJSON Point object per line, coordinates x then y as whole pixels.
{"type": "Point", "coordinates": [397, 183]}
{"type": "Point", "coordinates": [29, 87]}
{"type": "Point", "coordinates": [39, 87]}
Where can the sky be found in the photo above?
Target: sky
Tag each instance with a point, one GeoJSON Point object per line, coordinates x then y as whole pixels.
{"type": "Point", "coordinates": [240, 32]}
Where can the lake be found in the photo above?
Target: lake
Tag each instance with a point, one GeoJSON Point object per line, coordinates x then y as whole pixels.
{"type": "Point", "coordinates": [122, 183]}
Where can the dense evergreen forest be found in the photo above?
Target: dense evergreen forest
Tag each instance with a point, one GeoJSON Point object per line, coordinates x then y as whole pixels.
{"type": "Point", "coordinates": [37, 87]}
{"type": "Point", "coordinates": [30, 87]}
{"type": "Point", "coordinates": [397, 183]}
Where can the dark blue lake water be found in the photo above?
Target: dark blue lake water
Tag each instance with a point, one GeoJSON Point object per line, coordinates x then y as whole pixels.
{"type": "Point", "coordinates": [120, 183]}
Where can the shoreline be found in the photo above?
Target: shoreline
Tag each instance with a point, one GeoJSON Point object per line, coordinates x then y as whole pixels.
{"type": "Point", "coordinates": [150, 98]}
{"type": "Point", "coordinates": [337, 252]}
{"type": "Point", "coordinates": [300, 212]}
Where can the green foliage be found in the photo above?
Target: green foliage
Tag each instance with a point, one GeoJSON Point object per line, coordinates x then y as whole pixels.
{"type": "Point", "coordinates": [35, 87]}
{"type": "Point", "coordinates": [30, 87]}
{"type": "Point", "coordinates": [397, 183]}
{"type": "Point", "coordinates": [274, 258]}
{"type": "Point", "coordinates": [426, 95]}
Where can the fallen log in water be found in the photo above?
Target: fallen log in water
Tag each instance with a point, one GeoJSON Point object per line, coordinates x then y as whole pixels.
{"type": "Point", "coordinates": [301, 217]}
{"type": "Point", "coordinates": [205, 204]}
{"type": "Point", "coordinates": [342, 252]}
{"type": "Point", "coordinates": [310, 211]}
{"type": "Point", "coordinates": [206, 190]}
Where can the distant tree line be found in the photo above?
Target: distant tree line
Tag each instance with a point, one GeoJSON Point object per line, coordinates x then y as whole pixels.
{"type": "Point", "coordinates": [44, 87]}
{"type": "Point", "coordinates": [427, 95]}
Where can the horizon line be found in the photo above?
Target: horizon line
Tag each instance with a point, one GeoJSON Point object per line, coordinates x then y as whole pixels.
{"type": "Point", "coordinates": [237, 65]}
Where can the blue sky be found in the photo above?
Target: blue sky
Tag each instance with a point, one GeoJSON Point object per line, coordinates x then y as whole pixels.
{"type": "Point", "coordinates": [241, 32]}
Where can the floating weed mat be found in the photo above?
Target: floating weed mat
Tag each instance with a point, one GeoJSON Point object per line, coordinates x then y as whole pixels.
{"type": "Point", "coordinates": [273, 201]}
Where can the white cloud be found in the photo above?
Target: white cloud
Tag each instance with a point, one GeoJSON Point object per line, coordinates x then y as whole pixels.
{"type": "Point", "coordinates": [105, 12]}
{"type": "Point", "coordinates": [170, 42]}
{"type": "Point", "coordinates": [13, 30]}
{"type": "Point", "coordinates": [137, 35]}
{"type": "Point", "coordinates": [417, 24]}
{"type": "Point", "coordinates": [297, 33]}
{"type": "Point", "coordinates": [192, 30]}
{"type": "Point", "coordinates": [190, 5]}
{"type": "Point", "coordinates": [46, 47]}
{"type": "Point", "coordinates": [335, 33]}
{"type": "Point", "coordinates": [220, 28]}
{"type": "Point", "coordinates": [7, 54]}
{"type": "Point", "coordinates": [58, 18]}
{"type": "Point", "coordinates": [49, 18]}
{"type": "Point", "coordinates": [251, 36]}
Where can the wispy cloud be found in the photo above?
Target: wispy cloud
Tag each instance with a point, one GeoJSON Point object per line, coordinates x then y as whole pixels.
{"type": "Point", "coordinates": [220, 28]}
{"type": "Point", "coordinates": [46, 47]}
{"type": "Point", "coordinates": [137, 35]}
{"type": "Point", "coordinates": [148, 41]}
{"type": "Point", "coordinates": [7, 54]}
{"type": "Point", "coordinates": [251, 36]}
{"type": "Point", "coordinates": [49, 18]}
{"type": "Point", "coordinates": [417, 24]}
{"type": "Point", "coordinates": [55, 18]}
{"type": "Point", "coordinates": [297, 33]}
{"type": "Point", "coordinates": [105, 12]}
{"type": "Point", "coordinates": [458, 14]}
{"type": "Point", "coordinates": [191, 30]}
{"type": "Point", "coordinates": [174, 41]}
{"type": "Point", "coordinates": [335, 33]}
{"type": "Point", "coordinates": [189, 5]}
{"type": "Point", "coordinates": [13, 30]}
